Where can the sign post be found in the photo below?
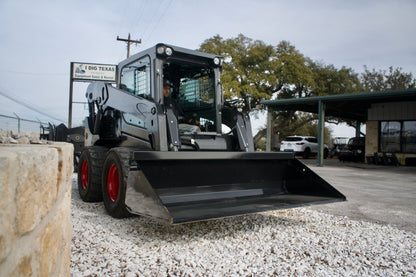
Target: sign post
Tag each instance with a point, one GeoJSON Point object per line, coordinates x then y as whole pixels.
{"type": "Point", "coordinates": [87, 72]}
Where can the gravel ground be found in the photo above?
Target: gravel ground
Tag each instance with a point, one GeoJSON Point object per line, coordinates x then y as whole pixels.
{"type": "Point", "coordinates": [299, 242]}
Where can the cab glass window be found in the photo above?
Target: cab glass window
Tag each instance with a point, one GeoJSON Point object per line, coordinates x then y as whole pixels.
{"type": "Point", "coordinates": [135, 77]}
{"type": "Point", "coordinates": [193, 89]}
{"type": "Point", "coordinates": [197, 92]}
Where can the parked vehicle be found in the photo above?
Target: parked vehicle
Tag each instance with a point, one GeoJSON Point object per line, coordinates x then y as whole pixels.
{"type": "Point", "coordinates": [339, 144]}
{"type": "Point", "coordinates": [355, 151]}
{"type": "Point", "coordinates": [302, 145]}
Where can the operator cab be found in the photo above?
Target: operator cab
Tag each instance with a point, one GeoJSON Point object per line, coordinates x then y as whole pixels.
{"type": "Point", "coordinates": [195, 116]}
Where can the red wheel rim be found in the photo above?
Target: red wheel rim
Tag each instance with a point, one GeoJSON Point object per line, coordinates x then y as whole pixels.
{"type": "Point", "coordinates": [84, 174]}
{"type": "Point", "coordinates": [112, 182]}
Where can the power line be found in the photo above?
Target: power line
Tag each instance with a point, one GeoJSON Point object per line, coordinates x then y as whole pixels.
{"type": "Point", "coordinates": [33, 74]}
{"type": "Point", "coordinates": [152, 13]}
{"type": "Point", "coordinates": [140, 24]}
{"type": "Point", "coordinates": [23, 119]}
{"type": "Point", "coordinates": [158, 21]}
{"type": "Point", "coordinates": [29, 106]}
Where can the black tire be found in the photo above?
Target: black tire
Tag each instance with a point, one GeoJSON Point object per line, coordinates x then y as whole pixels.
{"type": "Point", "coordinates": [89, 173]}
{"type": "Point", "coordinates": [114, 182]}
{"type": "Point", "coordinates": [326, 153]}
{"type": "Point", "coordinates": [306, 153]}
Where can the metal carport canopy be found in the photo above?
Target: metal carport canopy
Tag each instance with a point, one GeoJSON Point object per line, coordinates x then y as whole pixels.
{"type": "Point", "coordinates": [347, 106]}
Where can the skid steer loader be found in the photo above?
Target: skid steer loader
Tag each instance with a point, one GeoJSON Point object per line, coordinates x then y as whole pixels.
{"type": "Point", "coordinates": [168, 147]}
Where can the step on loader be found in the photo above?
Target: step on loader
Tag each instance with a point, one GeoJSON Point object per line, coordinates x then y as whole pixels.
{"type": "Point", "coordinates": [167, 146]}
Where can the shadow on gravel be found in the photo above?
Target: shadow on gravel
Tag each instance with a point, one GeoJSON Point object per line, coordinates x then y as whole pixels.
{"type": "Point", "coordinates": [145, 229]}
{"type": "Point", "coordinates": [215, 229]}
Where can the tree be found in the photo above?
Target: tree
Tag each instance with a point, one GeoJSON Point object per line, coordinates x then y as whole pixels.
{"type": "Point", "coordinates": [246, 69]}
{"type": "Point", "coordinates": [254, 69]}
{"type": "Point", "coordinates": [332, 81]}
{"type": "Point", "coordinates": [391, 79]}
{"type": "Point", "coordinates": [293, 75]}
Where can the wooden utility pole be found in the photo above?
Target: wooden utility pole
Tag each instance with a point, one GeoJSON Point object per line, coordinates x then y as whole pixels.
{"type": "Point", "coordinates": [129, 41]}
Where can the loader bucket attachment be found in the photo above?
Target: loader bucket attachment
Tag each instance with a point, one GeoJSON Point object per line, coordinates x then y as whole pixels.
{"type": "Point", "coordinates": [180, 187]}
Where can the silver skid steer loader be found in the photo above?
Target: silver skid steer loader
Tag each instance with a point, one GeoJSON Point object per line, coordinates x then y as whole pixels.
{"type": "Point", "coordinates": [168, 147]}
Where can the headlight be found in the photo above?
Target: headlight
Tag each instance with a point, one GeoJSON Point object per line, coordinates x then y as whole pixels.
{"type": "Point", "coordinates": [218, 61]}
{"type": "Point", "coordinates": [160, 50]}
{"type": "Point", "coordinates": [163, 50]}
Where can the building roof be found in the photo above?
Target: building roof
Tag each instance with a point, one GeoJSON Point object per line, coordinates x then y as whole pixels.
{"type": "Point", "coordinates": [347, 106]}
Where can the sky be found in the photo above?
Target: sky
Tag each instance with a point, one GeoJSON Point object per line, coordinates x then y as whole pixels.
{"type": "Point", "coordinates": [39, 39]}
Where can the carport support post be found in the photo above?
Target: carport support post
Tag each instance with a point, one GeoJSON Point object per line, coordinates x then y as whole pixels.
{"type": "Point", "coordinates": [321, 134]}
{"type": "Point", "coordinates": [358, 129]}
{"type": "Point", "coordinates": [269, 130]}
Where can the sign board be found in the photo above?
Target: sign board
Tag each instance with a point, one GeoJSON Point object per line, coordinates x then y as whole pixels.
{"type": "Point", "coordinates": [93, 72]}
{"type": "Point", "coordinates": [84, 72]}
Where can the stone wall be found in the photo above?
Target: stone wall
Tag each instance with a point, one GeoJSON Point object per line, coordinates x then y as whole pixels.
{"type": "Point", "coordinates": [35, 209]}
{"type": "Point", "coordinates": [371, 138]}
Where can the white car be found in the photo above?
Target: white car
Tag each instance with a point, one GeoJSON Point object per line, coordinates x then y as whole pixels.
{"type": "Point", "coordinates": [302, 145]}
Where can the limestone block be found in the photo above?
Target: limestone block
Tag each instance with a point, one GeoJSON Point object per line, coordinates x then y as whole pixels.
{"type": "Point", "coordinates": [35, 211]}
{"type": "Point", "coordinates": [23, 140]}
{"type": "Point", "coordinates": [14, 135]}
{"type": "Point", "coordinates": [36, 185]}
{"type": "Point", "coordinates": [54, 243]}
{"type": "Point", "coordinates": [48, 244]}
{"type": "Point", "coordinates": [8, 173]}
{"type": "Point", "coordinates": [12, 141]}
{"type": "Point", "coordinates": [24, 268]}
{"type": "Point", "coordinates": [66, 162]}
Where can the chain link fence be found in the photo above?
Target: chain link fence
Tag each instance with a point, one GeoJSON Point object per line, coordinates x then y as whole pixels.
{"type": "Point", "coordinates": [18, 124]}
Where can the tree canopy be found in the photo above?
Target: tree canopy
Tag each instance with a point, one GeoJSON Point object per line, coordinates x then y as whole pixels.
{"type": "Point", "coordinates": [253, 68]}
{"type": "Point", "coordinates": [391, 79]}
{"type": "Point", "coordinates": [246, 69]}
{"type": "Point", "coordinates": [260, 71]}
